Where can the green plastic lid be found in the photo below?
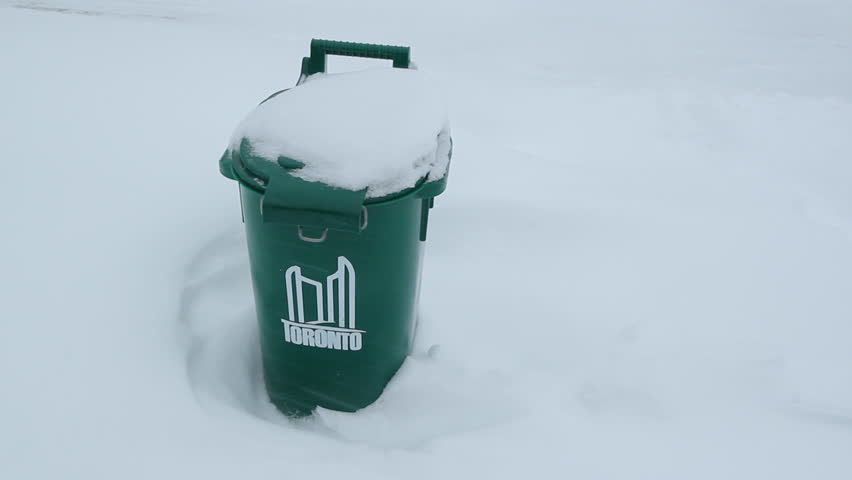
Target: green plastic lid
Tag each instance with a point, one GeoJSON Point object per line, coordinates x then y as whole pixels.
{"type": "Point", "coordinates": [287, 198]}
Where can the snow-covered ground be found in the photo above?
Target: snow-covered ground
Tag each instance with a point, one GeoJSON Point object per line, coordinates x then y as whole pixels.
{"type": "Point", "coordinates": [642, 267]}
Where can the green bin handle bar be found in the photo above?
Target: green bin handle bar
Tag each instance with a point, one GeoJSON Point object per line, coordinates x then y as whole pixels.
{"type": "Point", "coordinates": [320, 49]}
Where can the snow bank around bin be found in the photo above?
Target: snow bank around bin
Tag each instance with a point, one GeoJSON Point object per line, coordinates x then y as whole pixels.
{"type": "Point", "coordinates": [430, 398]}
{"type": "Point", "coordinates": [380, 129]}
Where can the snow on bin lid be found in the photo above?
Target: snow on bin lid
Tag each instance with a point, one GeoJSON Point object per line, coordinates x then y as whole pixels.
{"type": "Point", "coordinates": [382, 129]}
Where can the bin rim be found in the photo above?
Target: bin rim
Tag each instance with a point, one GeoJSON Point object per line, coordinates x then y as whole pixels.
{"type": "Point", "coordinates": [233, 166]}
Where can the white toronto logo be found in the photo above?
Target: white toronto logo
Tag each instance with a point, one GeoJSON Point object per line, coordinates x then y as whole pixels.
{"type": "Point", "coordinates": [333, 322]}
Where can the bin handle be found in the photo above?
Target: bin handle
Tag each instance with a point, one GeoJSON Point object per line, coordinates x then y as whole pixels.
{"type": "Point", "coordinates": [321, 238]}
{"type": "Point", "coordinates": [320, 49]}
{"type": "Point", "coordinates": [306, 238]}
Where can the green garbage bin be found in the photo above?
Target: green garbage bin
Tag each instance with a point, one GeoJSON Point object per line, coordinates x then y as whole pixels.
{"type": "Point", "coordinates": [336, 274]}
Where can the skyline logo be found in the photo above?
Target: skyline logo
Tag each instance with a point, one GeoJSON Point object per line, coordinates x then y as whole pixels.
{"type": "Point", "coordinates": [322, 315]}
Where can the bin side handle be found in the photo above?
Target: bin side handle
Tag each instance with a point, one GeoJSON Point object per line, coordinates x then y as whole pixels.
{"type": "Point", "coordinates": [433, 188]}
{"type": "Point", "coordinates": [291, 200]}
{"type": "Point", "coordinates": [226, 165]}
{"type": "Point", "coordinates": [320, 49]}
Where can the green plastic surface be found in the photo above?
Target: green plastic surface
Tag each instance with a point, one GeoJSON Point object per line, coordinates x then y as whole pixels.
{"type": "Point", "coordinates": [385, 257]}
{"type": "Point", "coordinates": [336, 276]}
